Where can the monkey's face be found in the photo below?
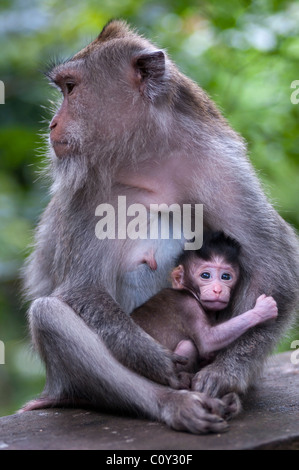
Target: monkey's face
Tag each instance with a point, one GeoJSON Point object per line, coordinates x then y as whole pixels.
{"type": "Point", "coordinates": [68, 128]}
{"type": "Point", "coordinates": [216, 280]}
{"type": "Point", "coordinates": [100, 101]}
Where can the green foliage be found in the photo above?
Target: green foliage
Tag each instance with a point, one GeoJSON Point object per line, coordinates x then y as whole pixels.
{"type": "Point", "coordinates": [245, 54]}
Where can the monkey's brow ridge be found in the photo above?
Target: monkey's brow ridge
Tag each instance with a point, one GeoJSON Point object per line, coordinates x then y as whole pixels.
{"type": "Point", "coordinates": [52, 67]}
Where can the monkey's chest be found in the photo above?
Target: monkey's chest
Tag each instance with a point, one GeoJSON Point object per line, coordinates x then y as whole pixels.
{"type": "Point", "coordinates": [137, 285]}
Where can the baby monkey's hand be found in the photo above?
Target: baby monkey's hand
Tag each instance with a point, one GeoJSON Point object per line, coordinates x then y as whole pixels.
{"type": "Point", "coordinates": [265, 307]}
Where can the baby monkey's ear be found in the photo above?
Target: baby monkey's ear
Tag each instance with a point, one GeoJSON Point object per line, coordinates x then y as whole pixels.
{"type": "Point", "coordinates": [177, 277]}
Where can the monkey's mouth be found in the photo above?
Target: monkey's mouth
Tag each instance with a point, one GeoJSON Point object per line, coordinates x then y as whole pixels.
{"type": "Point", "coordinates": [214, 304]}
{"type": "Point", "coordinates": [61, 147]}
{"type": "Point", "coordinates": [59, 142]}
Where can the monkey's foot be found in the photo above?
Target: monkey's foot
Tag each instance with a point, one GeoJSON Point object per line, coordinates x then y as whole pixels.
{"type": "Point", "coordinates": [37, 404]}
{"type": "Point", "coordinates": [194, 412]}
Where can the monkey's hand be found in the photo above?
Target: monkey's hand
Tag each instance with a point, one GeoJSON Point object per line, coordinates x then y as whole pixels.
{"type": "Point", "coordinates": [265, 308]}
{"type": "Point", "coordinates": [167, 367]}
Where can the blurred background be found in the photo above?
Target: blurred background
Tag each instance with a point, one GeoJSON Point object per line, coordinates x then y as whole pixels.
{"type": "Point", "coordinates": [245, 54]}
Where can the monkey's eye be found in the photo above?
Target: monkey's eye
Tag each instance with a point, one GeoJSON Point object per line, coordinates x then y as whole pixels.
{"type": "Point", "coordinates": [205, 275]}
{"type": "Point", "coordinates": [226, 277]}
{"type": "Point", "coordinates": [69, 87]}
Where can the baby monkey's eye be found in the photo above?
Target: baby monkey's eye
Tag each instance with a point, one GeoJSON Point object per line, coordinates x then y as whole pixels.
{"type": "Point", "coordinates": [226, 277]}
{"type": "Point", "coordinates": [205, 275]}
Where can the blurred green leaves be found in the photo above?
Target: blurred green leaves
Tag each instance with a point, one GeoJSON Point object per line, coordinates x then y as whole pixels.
{"type": "Point", "coordinates": [244, 53]}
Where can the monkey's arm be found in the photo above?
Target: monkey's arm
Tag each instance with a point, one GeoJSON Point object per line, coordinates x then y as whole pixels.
{"type": "Point", "coordinates": [129, 343]}
{"type": "Point", "coordinates": [213, 338]}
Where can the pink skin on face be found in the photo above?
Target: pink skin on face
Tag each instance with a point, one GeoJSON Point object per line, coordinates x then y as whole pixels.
{"type": "Point", "coordinates": [216, 280]}
{"type": "Point", "coordinates": [212, 281]}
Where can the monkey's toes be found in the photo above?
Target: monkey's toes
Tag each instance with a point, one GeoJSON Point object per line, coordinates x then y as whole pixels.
{"type": "Point", "coordinates": [190, 412]}
{"type": "Point", "coordinates": [232, 405]}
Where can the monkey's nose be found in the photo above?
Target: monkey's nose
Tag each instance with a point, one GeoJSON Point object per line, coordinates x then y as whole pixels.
{"type": "Point", "coordinates": [53, 123]}
{"type": "Point", "coordinates": [217, 289]}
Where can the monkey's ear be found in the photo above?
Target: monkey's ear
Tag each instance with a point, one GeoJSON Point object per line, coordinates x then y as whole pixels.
{"type": "Point", "coordinates": [114, 29]}
{"type": "Point", "coordinates": [177, 277]}
{"type": "Point", "coordinates": [149, 73]}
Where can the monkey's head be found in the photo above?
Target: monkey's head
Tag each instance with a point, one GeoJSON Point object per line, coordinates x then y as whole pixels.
{"type": "Point", "coordinates": [122, 100]}
{"type": "Point", "coordinates": [105, 89]}
{"type": "Point", "coordinates": [210, 273]}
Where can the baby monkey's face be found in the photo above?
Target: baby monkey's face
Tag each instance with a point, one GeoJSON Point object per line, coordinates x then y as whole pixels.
{"type": "Point", "coordinates": [215, 279]}
{"type": "Point", "coordinates": [211, 282]}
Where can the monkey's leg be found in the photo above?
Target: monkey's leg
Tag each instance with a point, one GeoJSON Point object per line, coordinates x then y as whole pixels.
{"type": "Point", "coordinates": [127, 341]}
{"type": "Point", "coordinates": [80, 366]}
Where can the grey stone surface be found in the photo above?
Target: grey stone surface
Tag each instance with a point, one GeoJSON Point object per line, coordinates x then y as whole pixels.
{"type": "Point", "coordinates": [270, 420]}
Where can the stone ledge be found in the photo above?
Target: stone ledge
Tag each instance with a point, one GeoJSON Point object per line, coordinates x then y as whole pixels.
{"type": "Point", "coordinates": [270, 420]}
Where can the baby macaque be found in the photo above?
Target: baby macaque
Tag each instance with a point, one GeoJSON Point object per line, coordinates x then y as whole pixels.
{"type": "Point", "coordinates": [183, 319]}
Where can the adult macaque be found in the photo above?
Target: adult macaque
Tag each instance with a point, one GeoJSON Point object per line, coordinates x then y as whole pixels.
{"type": "Point", "coordinates": [131, 124]}
{"type": "Point", "coordinates": [182, 317]}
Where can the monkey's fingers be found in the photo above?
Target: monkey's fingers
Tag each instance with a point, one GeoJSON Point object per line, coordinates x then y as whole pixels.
{"type": "Point", "coordinates": [232, 405]}
{"type": "Point", "coordinates": [203, 422]}
{"type": "Point", "coordinates": [188, 411]}
{"type": "Point", "coordinates": [261, 297]}
{"type": "Point", "coordinates": [177, 359]}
